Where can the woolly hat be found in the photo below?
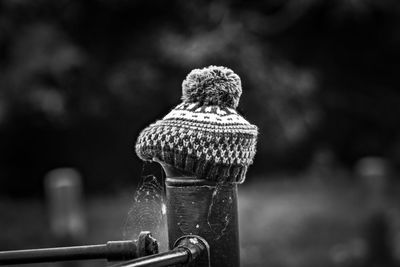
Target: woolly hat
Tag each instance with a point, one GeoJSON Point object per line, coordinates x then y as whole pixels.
{"type": "Point", "coordinates": [204, 135]}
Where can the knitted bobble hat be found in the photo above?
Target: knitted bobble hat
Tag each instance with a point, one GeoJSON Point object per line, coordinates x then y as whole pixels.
{"type": "Point", "coordinates": [204, 135]}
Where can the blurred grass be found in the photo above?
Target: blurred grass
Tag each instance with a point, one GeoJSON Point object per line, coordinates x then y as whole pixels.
{"type": "Point", "coordinates": [297, 223]}
{"type": "Point", "coordinates": [283, 222]}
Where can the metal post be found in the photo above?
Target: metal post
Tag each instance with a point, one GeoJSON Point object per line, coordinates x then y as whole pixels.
{"type": "Point", "coordinates": [375, 175]}
{"type": "Point", "coordinates": [64, 193]}
{"type": "Point", "coordinates": [207, 209]}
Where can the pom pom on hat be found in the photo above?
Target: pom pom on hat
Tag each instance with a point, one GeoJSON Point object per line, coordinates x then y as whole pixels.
{"type": "Point", "coordinates": [212, 86]}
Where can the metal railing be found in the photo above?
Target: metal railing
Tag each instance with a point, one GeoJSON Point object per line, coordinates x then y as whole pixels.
{"type": "Point", "coordinates": [137, 253]}
{"type": "Point", "coordinates": [112, 251]}
{"type": "Point", "coordinates": [186, 250]}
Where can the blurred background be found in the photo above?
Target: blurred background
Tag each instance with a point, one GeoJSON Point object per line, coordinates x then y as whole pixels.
{"type": "Point", "coordinates": [80, 79]}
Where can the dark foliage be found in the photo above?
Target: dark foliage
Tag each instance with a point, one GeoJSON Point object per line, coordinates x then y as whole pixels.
{"type": "Point", "coordinates": [80, 79]}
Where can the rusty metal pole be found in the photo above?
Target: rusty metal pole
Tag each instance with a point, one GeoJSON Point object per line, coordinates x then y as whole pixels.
{"type": "Point", "coordinates": [207, 209]}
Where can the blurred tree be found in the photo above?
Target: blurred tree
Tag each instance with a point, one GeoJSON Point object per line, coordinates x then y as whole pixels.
{"type": "Point", "coordinates": [79, 80]}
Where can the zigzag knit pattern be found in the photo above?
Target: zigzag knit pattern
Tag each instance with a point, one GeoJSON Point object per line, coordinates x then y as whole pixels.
{"type": "Point", "coordinates": [213, 142]}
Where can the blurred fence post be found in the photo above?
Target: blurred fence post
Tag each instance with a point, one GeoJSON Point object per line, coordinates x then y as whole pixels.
{"type": "Point", "coordinates": [63, 189]}
{"type": "Point", "coordinates": [374, 173]}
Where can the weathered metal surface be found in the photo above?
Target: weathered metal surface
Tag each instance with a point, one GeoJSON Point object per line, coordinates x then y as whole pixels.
{"type": "Point", "coordinates": [198, 247]}
{"type": "Point", "coordinates": [199, 207]}
{"type": "Point", "coordinates": [187, 249]}
{"type": "Point", "coordinates": [112, 251]}
{"type": "Point", "coordinates": [170, 258]}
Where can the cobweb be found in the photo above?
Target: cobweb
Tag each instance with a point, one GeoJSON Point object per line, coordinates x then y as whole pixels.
{"type": "Point", "coordinates": [220, 211]}
{"type": "Point", "coordinates": [148, 210]}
